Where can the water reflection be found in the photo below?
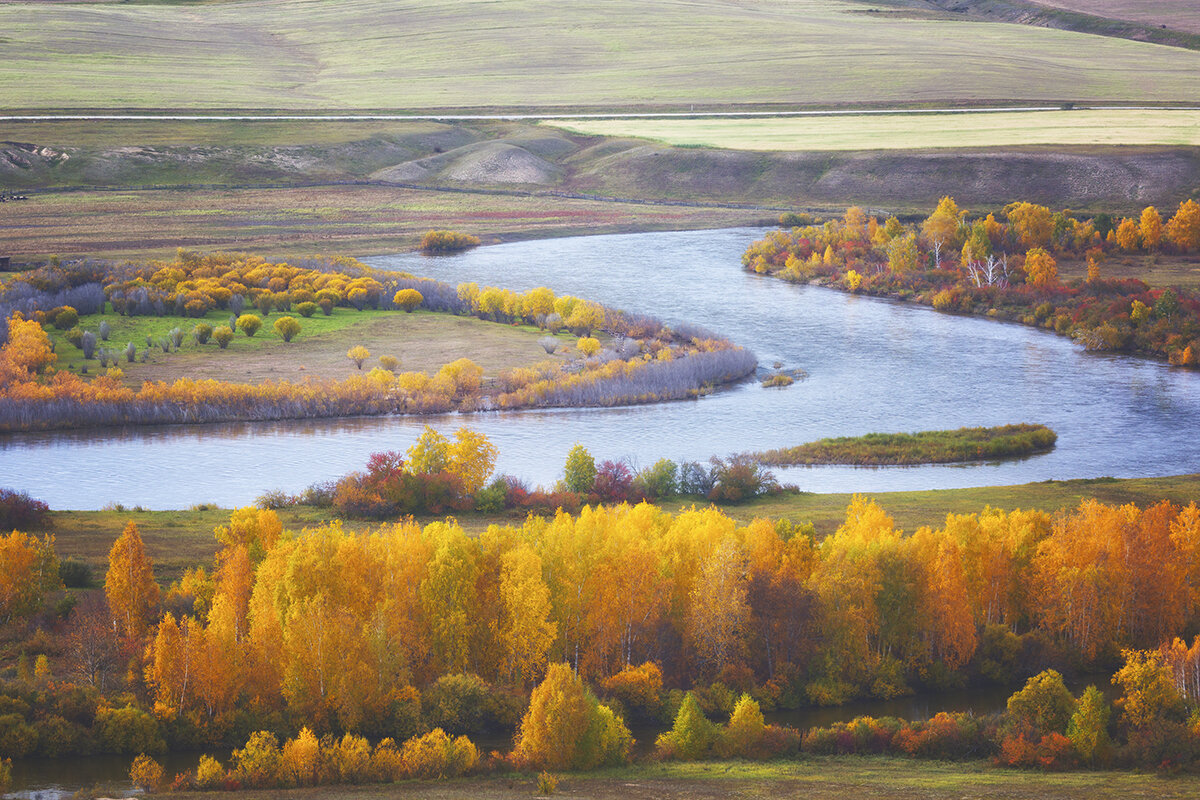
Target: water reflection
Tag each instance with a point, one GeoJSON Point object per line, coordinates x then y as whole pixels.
{"type": "Point", "coordinates": [873, 365]}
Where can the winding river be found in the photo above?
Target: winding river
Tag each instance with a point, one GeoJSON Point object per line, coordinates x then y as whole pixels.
{"type": "Point", "coordinates": [873, 365]}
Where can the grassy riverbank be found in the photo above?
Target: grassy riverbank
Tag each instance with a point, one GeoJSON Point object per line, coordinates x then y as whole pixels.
{"type": "Point", "coordinates": [179, 539]}
{"type": "Point", "coordinates": [815, 778]}
{"type": "Point", "coordinates": [926, 447]}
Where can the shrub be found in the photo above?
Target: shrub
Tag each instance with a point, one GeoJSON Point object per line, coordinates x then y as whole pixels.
{"type": "Point", "coordinates": [436, 755]}
{"type": "Point", "coordinates": [638, 690]}
{"type": "Point", "coordinates": [549, 344]}
{"type": "Point", "coordinates": [145, 773]}
{"type": "Point", "coordinates": [130, 352]}
{"type": "Point", "coordinates": [17, 738]}
{"type": "Point", "coordinates": [326, 305]}
{"type": "Point", "coordinates": [658, 480]}
{"type": "Point", "coordinates": [408, 299]}
{"type": "Point", "coordinates": [5, 774]}
{"type": "Point", "coordinates": [105, 330]}
{"type": "Point", "coordinates": [222, 335]}
{"type": "Point", "coordinates": [75, 574]}
{"type": "Point", "coordinates": [389, 363]}
{"type": "Point", "coordinates": [127, 730]}
{"type": "Point", "coordinates": [546, 783]}
{"type": "Point", "coordinates": [580, 470]}
{"type": "Point", "coordinates": [258, 763]}
{"type": "Point", "coordinates": [306, 309]}
{"type": "Point", "coordinates": [202, 333]}
{"type": "Point", "coordinates": [209, 773]}
{"type": "Point", "coordinates": [19, 511]}
{"type": "Point", "coordinates": [457, 703]}
{"type": "Point", "coordinates": [287, 327]}
{"type": "Point", "coordinates": [75, 336]}
{"type": "Point", "coordinates": [744, 733]}
{"type": "Point", "coordinates": [588, 346]}
{"type": "Point", "coordinates": [87, 343]}
{"type": "Point", "coordinates": [249, 324]}
{"type": "Point", "coordinates": [66, 318]}
{"type": "Point", "coordinates": [358, 354]}
{"type": "Point", "coordinates": [446, 242]}
{"type": "Point", "coordinates": [176, 337]}
{"type": "Point", "coordinates": [1044, 705]}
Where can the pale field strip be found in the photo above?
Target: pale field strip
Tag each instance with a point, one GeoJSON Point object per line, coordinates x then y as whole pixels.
{"type": "Point", "coordinates": [302, 55]}
{"type": "Point", "coordinates": [914, 131]}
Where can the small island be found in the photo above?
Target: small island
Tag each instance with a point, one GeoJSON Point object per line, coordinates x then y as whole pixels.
{"type": "Point", "coordinates": [926, 447]}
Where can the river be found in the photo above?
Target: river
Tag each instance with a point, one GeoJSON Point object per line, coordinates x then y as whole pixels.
{"type": "Point", "coordinates": [873, 365]}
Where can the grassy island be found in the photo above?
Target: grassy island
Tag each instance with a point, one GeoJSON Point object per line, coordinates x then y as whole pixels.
{"type": "Point", "coordinates": [926, 447]}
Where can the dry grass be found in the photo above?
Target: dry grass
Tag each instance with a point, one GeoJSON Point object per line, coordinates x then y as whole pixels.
{"type": "Point", "coordinates": [910, 131]}
{"type": "Point", "coordinates": [360, 220]}
{"type": "Point", "coordinates": [281, 54]}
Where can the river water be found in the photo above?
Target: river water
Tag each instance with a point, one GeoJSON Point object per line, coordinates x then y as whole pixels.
{"type": "Point", "coordinates": [873, 366]}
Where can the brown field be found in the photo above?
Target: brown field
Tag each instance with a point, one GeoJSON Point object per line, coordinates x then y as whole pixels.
{"type": "Point", "coordinates": [1180, 16]}
{"type": "Point", "coordinates": [357, 220]}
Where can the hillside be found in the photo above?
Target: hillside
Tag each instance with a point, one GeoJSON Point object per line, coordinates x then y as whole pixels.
{"type": "Point", "coordinates": [317, 54]}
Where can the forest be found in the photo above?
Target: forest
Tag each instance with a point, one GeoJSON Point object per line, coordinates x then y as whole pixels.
{"type": "Point", "coordinates": [378, 654]}
{"type": "Point", "coordinates": [1007, 269]}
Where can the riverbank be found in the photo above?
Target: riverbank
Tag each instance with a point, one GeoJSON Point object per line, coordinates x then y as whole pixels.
{"type": "Point", "coordinates": [181, 539]}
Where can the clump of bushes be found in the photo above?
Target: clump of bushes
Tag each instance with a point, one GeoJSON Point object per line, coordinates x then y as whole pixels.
{"type": "Point", "coordinates": [447, 242]}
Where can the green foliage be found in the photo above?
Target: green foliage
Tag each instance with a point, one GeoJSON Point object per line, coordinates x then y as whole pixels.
{"type": "Point", "coordinates": [1149, 695]}
{"type": "Point", "coordinates": [127, 730]}
{"type": "Point", "coordinates": [17, 738]}
{"type": "Point", "coordinates": [66, 318]}
{"type": "Point", "coordinates": [457, 703]}
{"type": "Point", "coordinates": [1044, 705]}
{"type": "Point", "coordinates": [1088, 728]}
{"type": "Point", "coordinates": [580, 470]}
{"type": "Point", "coordinates": [691, 737]}
{"type": "Point", "coordinates": [744, 733]}
{"type": "Point", "coordinates": [661, 479]}
{"type": "Point", "coordinates": [307, 308]}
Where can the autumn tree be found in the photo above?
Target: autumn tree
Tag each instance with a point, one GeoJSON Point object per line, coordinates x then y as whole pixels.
{"type": "Point", "coordinates": [944, 224]}
{"type": "Point", "coordinates": [1088, 728]}
{"type": "Point", "coordinates": [129, 584]}
{"type": "Point", "coordinates": [1040, 268]}
{"type": "Point", "coordinates": [1044, 705]}
{"type": "Point", "coordinates": [528, 631]}
{"type": "Point", "coordinates": [719, 613]}
{"type": "Point", "coordinates": [429, 454]}
{"type": "Point", "coordinates": [691, 736]}
{"type": "Point", "coordinates": [28, 572]}
{"type": "Point", "coordinates": [471, 457]}
{"type": "Point", "coordinates": [1033, 224]}
{"type": "Point", "coordinates": [1128, 235]}
{"type": "Point", "coordinates": [27, 350]}
{"type": "Point", "coordinates": [1184, 228]}
{"type": "Point", "coordinates": [567, 728]}
{"type": "Point", "coordinates": [1150, 228]}
{"type": "Point", "coordinates": [222, 335]}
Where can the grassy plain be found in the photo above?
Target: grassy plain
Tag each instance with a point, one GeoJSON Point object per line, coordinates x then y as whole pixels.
{"type": "Point", "coordinates": [910, 131]}
{"type": "Point", "coordinates": [423, 342]}
{"type": "Point", "coordinates": [814, 778]}
{"type": "Point", "coordinates": [283, 54]}
{"type": "Point", "coordinates": [179, 539]}
{"type": "Point", "coordinates": [327, 219]}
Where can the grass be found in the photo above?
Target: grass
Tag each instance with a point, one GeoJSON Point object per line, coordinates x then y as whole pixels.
{"type": "Point", "coordinates": [287, 222]}
{"type": "Point", "coordinates": [423, 341]}
{"type": "Point", "coordinates": [276, 54]}
{"type": "Point", "coordinates": [180, 539]}
{"type": "Point", "coordinates": [926, 447]}
{"type": "Point", "coordinates": [814, 778]}
{"type": "Point", "coordinates": [910, 131]}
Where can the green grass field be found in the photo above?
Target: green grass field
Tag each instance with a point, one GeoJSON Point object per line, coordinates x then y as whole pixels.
{"type": "Point", "coordinates": [911, 131]}
{"type": "Point", "coordinates": [319, 54]}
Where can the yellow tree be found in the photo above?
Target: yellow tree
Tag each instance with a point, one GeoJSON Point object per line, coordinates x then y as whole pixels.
{"type": "Point", "coordinates": [129, 584]}
{"type": "Point", "coordinates": [472, 458]}
{"type": "Point", "coordinates": [28, 346]}
{"type": "Point", "coordinates": [718, 610]}
{"type": "Point", "coordinates": [429, 454]}
{"type": "Point", "coordinates": [1128, 235]}
{"type": "Point", "coordinates": [1040, 268]}
{"type": "Point", "coordinates": [1151, 228]}
{"type": "Point", "coordinates": [528, 632]}
{"type": "Point", "coordinates": [28, 570]}
{"type": "Point", "coordinates": [1184, 228]}
{"type": "Point", "coordinates": [1032, 223]}
{"type": "Point", "coordinates": [942, 226]}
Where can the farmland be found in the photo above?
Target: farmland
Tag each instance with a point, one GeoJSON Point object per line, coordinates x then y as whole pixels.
{"type": "Point", "coordinates": [1126, 127]}
{"type": "Point", "coordinates": [270, 54]}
